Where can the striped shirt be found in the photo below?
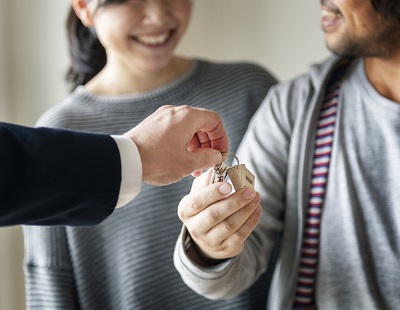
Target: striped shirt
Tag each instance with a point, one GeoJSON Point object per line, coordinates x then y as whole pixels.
{"type": "Point", "coordinates": [305, 292]}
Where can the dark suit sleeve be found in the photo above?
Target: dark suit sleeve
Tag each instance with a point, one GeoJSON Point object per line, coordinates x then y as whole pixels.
{"type": "Point", "coordinates": [57, 177]}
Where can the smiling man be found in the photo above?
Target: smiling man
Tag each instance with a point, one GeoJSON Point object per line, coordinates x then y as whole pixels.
{"type": "Point", "coordinates": [325, 149]}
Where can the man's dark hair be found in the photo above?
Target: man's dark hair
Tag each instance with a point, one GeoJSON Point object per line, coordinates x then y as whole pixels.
{"type": "Point", "coordinates": [388, 9]}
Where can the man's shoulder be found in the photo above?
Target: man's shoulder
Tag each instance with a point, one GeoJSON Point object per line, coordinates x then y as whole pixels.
{"type": "Point", "coordinates": [314, 78]}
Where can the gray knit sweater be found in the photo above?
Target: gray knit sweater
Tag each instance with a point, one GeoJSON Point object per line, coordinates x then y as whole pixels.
{"type": "Point", "coordinates": [126, 262]}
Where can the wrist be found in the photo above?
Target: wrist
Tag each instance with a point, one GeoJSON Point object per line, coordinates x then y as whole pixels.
{"type": "Point", "coordinates": [195, 254]}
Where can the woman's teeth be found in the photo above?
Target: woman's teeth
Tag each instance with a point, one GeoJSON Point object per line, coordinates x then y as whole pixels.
{"type": "Point", "coordinates": [153, 39]}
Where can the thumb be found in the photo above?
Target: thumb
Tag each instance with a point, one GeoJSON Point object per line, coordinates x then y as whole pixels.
{"type": "Point", "coordinates": [205, 158]}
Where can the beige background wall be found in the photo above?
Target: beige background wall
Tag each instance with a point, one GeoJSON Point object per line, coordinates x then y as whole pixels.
{"type": "Point", "coordinates": [282, 35]}
{"type": "Point", "coordinates": [3, 110]}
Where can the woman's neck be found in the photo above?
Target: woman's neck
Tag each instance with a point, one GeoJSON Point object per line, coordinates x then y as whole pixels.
{"type": "Point", "coordinates": [117, 80]}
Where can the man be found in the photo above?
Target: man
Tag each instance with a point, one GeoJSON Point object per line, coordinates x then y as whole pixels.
{"type": "Point", "coordinates": [340, 231]}
{"type": "Point", "coordinates": [87, 175]}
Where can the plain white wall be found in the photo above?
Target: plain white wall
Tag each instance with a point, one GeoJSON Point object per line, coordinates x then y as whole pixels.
{"type": "Point", "coordinates": [37, 56]}
{"type": "Point", "coordinates": [11, 247]}
{"type": "Point", "coordinates": [282, 35]}
{"type": "Point", "coordinates": [3, 96]}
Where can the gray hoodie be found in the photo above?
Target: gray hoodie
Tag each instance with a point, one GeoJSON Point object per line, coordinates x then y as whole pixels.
{"type": "Point", "coordinates": [278, 148]}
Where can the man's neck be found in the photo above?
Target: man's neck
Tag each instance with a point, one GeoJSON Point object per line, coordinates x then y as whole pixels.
{"type": "Point", "coordinates": [384, 75]}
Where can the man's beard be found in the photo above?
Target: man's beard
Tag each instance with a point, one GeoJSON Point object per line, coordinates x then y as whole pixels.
{"type": "Point", "coordinates": [383, 43]}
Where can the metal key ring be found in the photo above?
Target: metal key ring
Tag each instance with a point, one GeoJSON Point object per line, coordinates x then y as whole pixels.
{"type": "Point", "coordinates": [230, 154]}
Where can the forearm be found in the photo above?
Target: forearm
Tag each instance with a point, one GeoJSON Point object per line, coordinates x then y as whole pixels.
{"type": "Point", "coordinates": [54, 176]}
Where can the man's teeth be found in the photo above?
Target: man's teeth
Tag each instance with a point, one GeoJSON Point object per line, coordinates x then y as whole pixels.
{"type": "Point", "coordinates": [153, 39]}
{"type": "Point", "coordinates": [329, 14]}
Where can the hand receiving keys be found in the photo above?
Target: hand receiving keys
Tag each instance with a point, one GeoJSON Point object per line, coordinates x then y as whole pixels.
{"type": "Point", "coordinates": [218, 223]}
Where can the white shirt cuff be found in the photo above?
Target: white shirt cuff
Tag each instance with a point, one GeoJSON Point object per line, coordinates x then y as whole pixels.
{"type": "Point", "coordinates": [131, 170]}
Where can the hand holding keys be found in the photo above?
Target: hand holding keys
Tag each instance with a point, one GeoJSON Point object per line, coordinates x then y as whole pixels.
{"type": "Point", "coordinates": [239, 175]}
{"type": "Point", "coordinates": [218, 222]}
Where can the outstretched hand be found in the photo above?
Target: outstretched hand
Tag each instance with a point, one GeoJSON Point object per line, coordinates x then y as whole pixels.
{"type": "Point", "coordinates": [176, 141]}
{"type": "Point", "coordinates": [218, 223]}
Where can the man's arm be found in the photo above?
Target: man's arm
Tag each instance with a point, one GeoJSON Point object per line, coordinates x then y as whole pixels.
{"type": "Point", "coordinates": [54, 177]}
{"type": "Point", "coordinates": [61, 177]}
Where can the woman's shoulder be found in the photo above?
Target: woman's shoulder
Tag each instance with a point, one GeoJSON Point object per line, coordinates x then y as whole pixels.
{"type": "Point", "coordinates": [59, 115]}
{"type": "Point", "coordinates": [237, 68]}
{"type": "Point", "coordinates": [238, 73]}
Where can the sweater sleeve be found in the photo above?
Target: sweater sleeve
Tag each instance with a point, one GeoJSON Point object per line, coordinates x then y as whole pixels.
{"type": "Point", "coordinates": [264, 150]}
{"type": "Point", "coordinates": [48, 270]}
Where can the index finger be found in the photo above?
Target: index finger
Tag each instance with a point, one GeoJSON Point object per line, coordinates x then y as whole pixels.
{"type": "Point", "coordinates": [201, 199]}
{"type": "Point", "coordinates": [210, 130]}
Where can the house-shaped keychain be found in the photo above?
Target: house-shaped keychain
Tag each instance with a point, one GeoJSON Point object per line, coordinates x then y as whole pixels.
{"type": "Point", "coordinates": [240, 177]}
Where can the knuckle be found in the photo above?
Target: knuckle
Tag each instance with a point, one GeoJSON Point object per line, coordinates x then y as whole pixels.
{"type": "Point", "coordinates": [213, 193]}
{"type": "Point", "coordinates": [195, 233]}
{"type": "Point", "coordinates": [186, 107]}
{"type": "Point", "coordinates": [182, 207]}
{"type": "Point", "coordinates": [232, 247]}
{"type": "Point", "coordinates": [165, 109]}
{"type": "Point", "coordinates": [249, 208]}
{"type": "Point", "coordinates": [211, 215]}
{"type": "Point", "coordinates": [203, 241]}
{"type": "Point", "coordinates": [210, 243]}
{"type": "Point", "coordinates": [240, 236]}
{"type": "Point", "coordinates": [195, 204]}
{"type": "Point", "coordinates": [188, 206]}
{"type": "Point", "coordinates": [253, 221]}
{"type": "Point", "coordinates": [207, 159]}
{"type": "Point", "coordinates": [238, 240]}
{"type": "Point", "coordinates": [230, 227]}
{"type": "Point", "coordinates": [235, 204]}
{"type": "Point", "coordinates": [181, 214]}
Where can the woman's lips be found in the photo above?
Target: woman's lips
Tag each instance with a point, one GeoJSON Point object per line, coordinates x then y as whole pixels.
{"type": "Point", "coordinates": [154, 39]}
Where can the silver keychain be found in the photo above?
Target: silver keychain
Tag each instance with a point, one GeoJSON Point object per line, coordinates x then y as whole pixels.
{"type": "Point", "coordinates": [239, 175]}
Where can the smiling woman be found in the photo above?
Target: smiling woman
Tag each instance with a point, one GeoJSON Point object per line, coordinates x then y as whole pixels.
{"type": "Point", "coordinates": [141, 35]}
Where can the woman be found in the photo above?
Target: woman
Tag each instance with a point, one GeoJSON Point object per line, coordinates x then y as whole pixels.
{"type": "Point", "coordinates": [123, 68]}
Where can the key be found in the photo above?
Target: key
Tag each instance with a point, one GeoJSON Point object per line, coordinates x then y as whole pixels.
{"type": "Point", "coordinates": [239, 175]}
{"type": "Point", "coordinates": [219, 173]}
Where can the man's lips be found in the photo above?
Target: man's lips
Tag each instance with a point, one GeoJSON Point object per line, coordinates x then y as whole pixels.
{"type": "Point", "coordinates": [330, 17]}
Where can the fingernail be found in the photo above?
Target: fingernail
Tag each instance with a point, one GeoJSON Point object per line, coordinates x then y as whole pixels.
{"type": "Point", "coordinates": [225, 189]}
{"type": "Point", "coordinates": [249, 193]}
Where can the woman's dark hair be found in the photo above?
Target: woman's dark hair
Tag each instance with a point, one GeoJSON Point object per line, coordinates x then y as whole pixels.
{"type": "Point", "coordinates": [87, 54]}
{"type": "Point", "coordinates": [388, 9]}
